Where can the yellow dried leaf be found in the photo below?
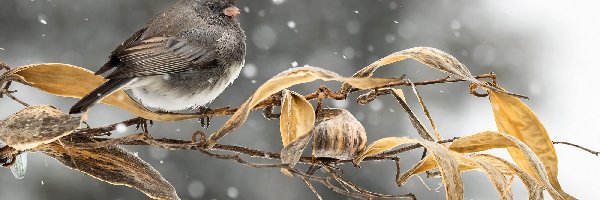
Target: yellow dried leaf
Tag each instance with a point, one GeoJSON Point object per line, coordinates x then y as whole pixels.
{"type": "Point", "coordinates": [515, 118]}
{"type": "Point", "coordinates": [428, 163]}
{"type": "Point", "coordinates": [449, 166]}
{"type": "Point", "coordinates": [494, 171]}
{"type": "Point", "coordinates": [36, 125]}
{"type": "Point", "coordinates": [285, 80]}
{"type": "Point", "coordinates": [496, 176]}
{"type": "Point", "coordinates": [534, 189]}
{"type": "Point", "coordinates": [431, 57]}
{"type": "Point", "coordinates": [114, 165]}
{"type": "Point", "coordinates": [71, 81]}
{"type": "Point", "coordinates": [490, 140]}
{"type": "Point", "coordinates": [296, 120]}
{"type": "Point", "coordinates": [297, 117]}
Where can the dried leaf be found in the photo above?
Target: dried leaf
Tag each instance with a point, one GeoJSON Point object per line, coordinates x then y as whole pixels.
{"type": "Point", "coordinates": [71, 81]}
{"type": "Point", "coordinates": [285, 80]}
{"type": "Point", "coordinates": [517, 119]}
{"type": "Point", "coordinates": [431, 57]}
{"type": "Point", "coordinates": [292, 153]}
{"type": "Point", "coordinates": [36, 125]}
{"type": "Point", "coordinates": [296, 121]}
{"type": "Point", "coordinates": [449, 166]}
{"type": "Point", "coordinates": [338, 135]}
{"type": "Point", "coordinates": [535, 190]}
{"type": "Point", "coordinates": [496, 176]}
{"type": "Point", "coordinates": [297, 117]}
{"type": "Point", "coordinates": [114, 165]}
{"type": "Point", "coordinates": [490, 140]}
{"type": "Point", "coordinates": [494, 172]}
{"type": "Point", "coordinates": [428, 163]}
{"type": "Point", "coordinates": [421, 129]}
{"type": "Point", "coordinates": [19, 168]}
{"type": "Point", "coordinates": [426, 111]}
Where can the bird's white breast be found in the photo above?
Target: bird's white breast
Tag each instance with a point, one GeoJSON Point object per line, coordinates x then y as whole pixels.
{"type": "Point", "coordinates": [153, 92]}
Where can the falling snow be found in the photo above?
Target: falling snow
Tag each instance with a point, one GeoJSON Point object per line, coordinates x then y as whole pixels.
{"type": "Point", "coordinates": [341, 104]}
{"type": "Point", "coordinates": [42, 19]}
{"type": "Point", "coordinates": [348, 53]}
{"type": "Point", "coordinates": [196, 189]}
{"type": "Point", "coordinates": [389, 38]}
{"type": "Point", "coordinates": [250, 70]}
{"type": "Point", "coordinates": [264, 37]}
{"type": "Point", "coordinates": [393, 5]}
{"type": "Point", "coordinates": [291, 24]}
{"type": "Point", "coordinates": [158, 154]}
{"type": "Point", "coordinates": [455, 25]}
{"type": "Point", "coordinates": [277, 2]}
{"type": "Point", "coordinates": [376, 105]}
{"type": "Point", "coordinates": [121, 128]}
{"type": "Point", "coordinates": [233, 192]}
{"type": "Point", "coordinates": [353, 27]}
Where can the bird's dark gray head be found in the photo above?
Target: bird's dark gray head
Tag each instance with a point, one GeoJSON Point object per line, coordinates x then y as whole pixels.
{"type": "Point", "coordinates": [217, 11]}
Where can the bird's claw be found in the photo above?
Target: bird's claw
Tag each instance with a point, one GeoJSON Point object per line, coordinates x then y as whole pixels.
{"type": "Point", "coordinates": [204, 120]}
{"type": "Point", "coordinates": [143, 124]}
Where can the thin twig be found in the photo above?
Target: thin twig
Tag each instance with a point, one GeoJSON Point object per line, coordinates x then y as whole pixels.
{"type": "Point", "coordinates": [354, 187]}
{"type": "Point", "coordinates": [9, 95]}
{"type": "Point", "coordinates": [580, 147]}
{"type": "Point", "coordinates": [312, 188]}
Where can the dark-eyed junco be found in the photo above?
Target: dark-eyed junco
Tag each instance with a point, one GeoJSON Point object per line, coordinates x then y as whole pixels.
{"type": "Point", "coordinates": [183, 58]}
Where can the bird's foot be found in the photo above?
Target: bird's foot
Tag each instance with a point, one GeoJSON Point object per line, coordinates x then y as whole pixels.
{"type": "Point", "coordinates": [205, 120]}
{"type": "Point", "coordinates": [143, 124]}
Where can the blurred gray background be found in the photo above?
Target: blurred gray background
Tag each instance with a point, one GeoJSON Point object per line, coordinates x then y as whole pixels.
{"type": "Point", "coordinates": [542, 49]}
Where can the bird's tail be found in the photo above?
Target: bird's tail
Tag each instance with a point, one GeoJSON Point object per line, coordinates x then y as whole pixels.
{"type": "Point", "coordinates": [98, 94]}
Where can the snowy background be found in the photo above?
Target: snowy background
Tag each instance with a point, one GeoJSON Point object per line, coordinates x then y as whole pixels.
{"type": "Point", "coordinates": [546, 50]}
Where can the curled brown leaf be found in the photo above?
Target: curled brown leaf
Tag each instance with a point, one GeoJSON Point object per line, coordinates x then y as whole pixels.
{"type": "Point", "coordinates": [36, 125]}
{"type": "Point", "coordinates": [114, 165]}
{"type": "Point", "coordinates": [297, 117]}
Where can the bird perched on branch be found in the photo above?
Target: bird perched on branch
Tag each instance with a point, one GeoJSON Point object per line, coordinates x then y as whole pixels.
{"type": "Point", "coordinates": [183, 58]}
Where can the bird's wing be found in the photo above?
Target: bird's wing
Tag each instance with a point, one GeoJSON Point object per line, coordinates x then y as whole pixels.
{"type": "Point", "coordinates": [113, 62]}
{"type": "Point", "coordinates": [160, 56]}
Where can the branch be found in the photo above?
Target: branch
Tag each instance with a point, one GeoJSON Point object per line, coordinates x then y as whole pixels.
{"type": "Point", "coordinates": [81, 139]}
{"type": "Point", "coordinates": [580, 147]}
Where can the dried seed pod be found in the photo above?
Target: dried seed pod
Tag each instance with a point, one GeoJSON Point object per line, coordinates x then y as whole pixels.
{"type": "Point", "coordinates": [36, 125]}
{"type": "Point", "coordinates": [338, 135]}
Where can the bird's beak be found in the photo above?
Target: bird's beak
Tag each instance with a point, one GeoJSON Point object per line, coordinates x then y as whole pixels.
{"type": "Point", "coordinates": [232, 11]}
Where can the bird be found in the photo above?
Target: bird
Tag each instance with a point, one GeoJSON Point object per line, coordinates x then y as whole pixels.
{"type": "Point", "coordinates": [183, 58]}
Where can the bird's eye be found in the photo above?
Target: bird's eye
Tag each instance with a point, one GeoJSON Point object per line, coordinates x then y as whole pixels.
{"type": "Point", "coordinates": [213, 6]}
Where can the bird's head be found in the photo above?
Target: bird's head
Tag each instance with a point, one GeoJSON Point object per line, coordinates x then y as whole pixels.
{"type": "Point", "coordinates": [220, 10]}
